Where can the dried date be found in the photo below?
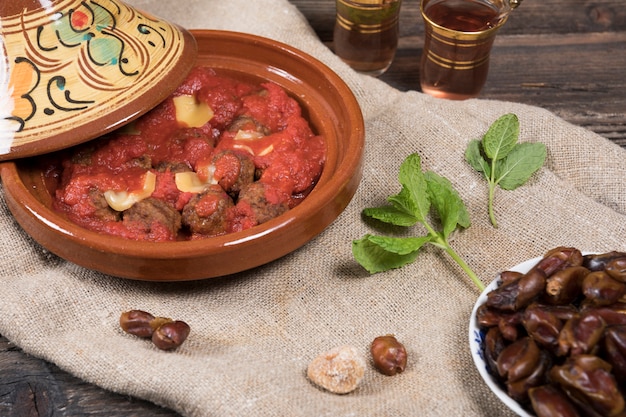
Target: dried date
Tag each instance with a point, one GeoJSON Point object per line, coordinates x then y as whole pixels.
{"type": "Point", "coordinates": [613, 315]}
{"type": "Point", "coordinates": [615, 348]}
{"type": "Point", "coordinates": [581, 334]}
{"type": "Point", "coordinates": [494, 345]}
{"type": "Point", "coordinates": [556, 335]}
{"type": "Point", "coordinates": [510, 276]}
{"type": "Point", "coordinates": [550, 401]}
{"type": "Point", "coordinates": [522, 365]}
{"type": "Point", "coordinates": [559, 258]}
{"type": "Point", "coordinates": [488, 317]}
{"type": "Point", "coordinates": [598, 262]}
{"type": "Point", "coordinates": [165, 333]}
{"type": "Point", "coordinates": [543, 326]}
{"type": "Point", "coordinates": [588, 381]}
{"type": "Point", "coordinates": [389, 355]}
{"type": "Point", "coordinates": [600, 289]}
{"type": "Point", "coordinates": [518, 294]}
{"type": "Point", "coordinates": [616, 268]}
{"type": "Point", "coordinates": [564, 286]}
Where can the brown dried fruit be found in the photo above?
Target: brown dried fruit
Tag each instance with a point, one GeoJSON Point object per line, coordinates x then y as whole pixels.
{"type": "Point", "coordinates": [588, 380]}
{"type": "Point", "coordinates": [170, 335]}
{"type": "Point", "coordinates": [550, 401]}
{"type": "Point", "coordinates": [165, 333]}
{"type": "Point", "coordinates": [340, 370]}
{"type": "Point", "coordinates": [388, 354]}
{"type": "Point", "coordinates": [158, 322]}
{"type": "Point", "coordinates": [137, 322]}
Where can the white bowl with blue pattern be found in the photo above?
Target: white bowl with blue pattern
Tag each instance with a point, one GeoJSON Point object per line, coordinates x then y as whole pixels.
{"type": "Point", "coordinates": [476, 337]}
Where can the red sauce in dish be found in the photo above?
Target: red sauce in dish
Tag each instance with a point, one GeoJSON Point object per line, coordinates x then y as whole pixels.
{"type": "Point", "coordinates": [255, 158]}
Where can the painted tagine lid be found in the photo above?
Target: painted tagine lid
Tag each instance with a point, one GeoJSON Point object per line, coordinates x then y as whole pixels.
{"type": "Point", "coordinates": [73, 70]}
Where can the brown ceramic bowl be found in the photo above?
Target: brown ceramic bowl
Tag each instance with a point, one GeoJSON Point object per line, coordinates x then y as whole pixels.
{"type": "Point", "coordinates": [328, 104]}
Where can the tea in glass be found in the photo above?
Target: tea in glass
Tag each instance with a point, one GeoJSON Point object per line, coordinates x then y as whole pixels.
{"type": "Point", "coordinates": [458, 36]}
{"type": "Point", "coordinates": [366, 34]}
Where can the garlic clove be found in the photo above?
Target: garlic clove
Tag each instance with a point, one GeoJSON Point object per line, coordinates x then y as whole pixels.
{"type": "Point", "coordinates": [190, 182]}
{"type": "Point", "coordinates": [190, 112]}
{"type": "Point", "coordinates": [123, 200]}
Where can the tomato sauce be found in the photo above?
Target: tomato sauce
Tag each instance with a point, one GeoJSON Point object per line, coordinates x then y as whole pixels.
{"type": "Point", "coordinates": [218, 156]}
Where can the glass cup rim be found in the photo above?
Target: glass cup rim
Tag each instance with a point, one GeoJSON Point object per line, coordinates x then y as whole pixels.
{"type": "Point", "coordinates": [367, 6]}
{"type": "Point", "coordinates": [460, 34]}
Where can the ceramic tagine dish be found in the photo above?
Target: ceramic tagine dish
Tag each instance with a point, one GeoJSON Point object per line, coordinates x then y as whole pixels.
{"type": "Point", "coordinates": [73, 71]}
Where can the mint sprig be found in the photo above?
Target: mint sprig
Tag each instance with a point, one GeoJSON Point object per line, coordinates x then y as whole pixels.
{"type": "Point", "coordinates": [502, 161]}
{"type": "Point", "coordinates": [422, 194]}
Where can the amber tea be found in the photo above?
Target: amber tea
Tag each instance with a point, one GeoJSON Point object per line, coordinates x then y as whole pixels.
{"type": "Point", "coordinates": [366, 34]}
{"type": "Point", "coordinates": [462, 15]}
{"type": "Point", "coordinates": [458, 38]}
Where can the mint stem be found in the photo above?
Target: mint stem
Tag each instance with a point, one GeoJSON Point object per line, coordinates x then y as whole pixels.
{"type": "Point", "coordinates": [464, 266]}
{"type": "Point", "coordinates": [441, 242]}
{"type": "Point", "coordinates": [492, 215]}
{"type": "Point", "coordinates": [492, 192]}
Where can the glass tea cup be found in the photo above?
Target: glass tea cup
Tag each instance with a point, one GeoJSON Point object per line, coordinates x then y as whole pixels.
{"type": "Point", "coordinates": [458, 36]}
{"type": "Point", "coordinates": [366, 34]}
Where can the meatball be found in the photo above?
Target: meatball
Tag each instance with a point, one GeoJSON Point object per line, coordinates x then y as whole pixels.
{"type": "Point", "coordinates": [233, 170]}
{"type": "Point", "coordinates": [102, 210]}
{"type": "Point", "coordinates": [248, 123]}
{"type": "Point", "coordinates": [173, 167]}
{"type": "Point", "coordinates": [187, 146]}
{"type": "Point", "coordinates": [206, 213]}
{"type": "Point", "coordinates": [143, 162]}
{"type": "Point", "coordinates": [264, 201]}
{"type": "Point", "coordinates": [155, 218]}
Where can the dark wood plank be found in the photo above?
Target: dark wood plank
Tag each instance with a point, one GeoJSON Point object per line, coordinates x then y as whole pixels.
{"type": "Point", "coordinates": [547, 71]}
{"type": "Point", "coordinates": [586, 92]}
{"type": "Point", "coordinates": [562, 55]}
{"type": "Point", "coordinates": [30, 387]}
{"type": "Point", "coordinates": [532, 17]}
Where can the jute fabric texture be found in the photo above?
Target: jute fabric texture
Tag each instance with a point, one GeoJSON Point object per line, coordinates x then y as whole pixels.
{"type": "Point", "coordinates": [254, 333]}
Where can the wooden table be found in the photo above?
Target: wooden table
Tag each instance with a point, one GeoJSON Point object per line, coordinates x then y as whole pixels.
{"type": "Point", "coordinates": [567, 56]}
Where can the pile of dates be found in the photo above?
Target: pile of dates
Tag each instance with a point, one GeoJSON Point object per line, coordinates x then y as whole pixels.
{"type": "Point", "coordinates": [555, 337]}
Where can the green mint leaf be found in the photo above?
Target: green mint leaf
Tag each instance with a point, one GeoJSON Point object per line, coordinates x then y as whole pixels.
{"type": "Point", "coordinates": [403, 202]}
{"type": "Point", "coordinates": [447, 203]}
{"type": "Point", "coordinates": [503, 161]}
{"type": "Point", "coordinates": [391, 215]}
{"type": "Point", "coordinates": [475, 158]}
{"type": "Point", "coordinates": [375, 258]}
{"type": "Point", "coordinates": [414, 187]}
{"type": "Point", "coordinates": [400, 245]}
{"type": "Point", "coordinates": [521, 163]}
{"type": "Point", "coordinates": [501, 137]}
{"type": "Point", "coordinates": [420, 192]}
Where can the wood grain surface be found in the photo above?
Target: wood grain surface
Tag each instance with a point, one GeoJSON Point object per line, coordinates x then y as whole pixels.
{"type": "Point", "coordinates": [567, 56]}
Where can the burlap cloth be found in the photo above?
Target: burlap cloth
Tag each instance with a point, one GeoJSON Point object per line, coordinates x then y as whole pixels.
{"type": "Point", "coordinates": [253, 334]}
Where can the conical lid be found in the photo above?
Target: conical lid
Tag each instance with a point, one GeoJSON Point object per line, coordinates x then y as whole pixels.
{"type": "Point", "coordinates": [72, 70]}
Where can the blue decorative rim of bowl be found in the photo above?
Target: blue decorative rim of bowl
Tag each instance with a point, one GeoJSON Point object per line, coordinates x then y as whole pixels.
{"type": "Point", "coordinates": [476, 338]}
